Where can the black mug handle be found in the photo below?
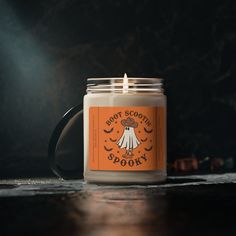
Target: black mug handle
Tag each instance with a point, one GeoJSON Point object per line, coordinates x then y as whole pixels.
{"type": "Point", "coordinates": [66, 145]}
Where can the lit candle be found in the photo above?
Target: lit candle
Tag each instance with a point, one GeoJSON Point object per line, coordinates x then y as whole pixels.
{"type": "Point", "coordinates": [125, 84]}
{"type": "Point", "coordinates": [124, 130]}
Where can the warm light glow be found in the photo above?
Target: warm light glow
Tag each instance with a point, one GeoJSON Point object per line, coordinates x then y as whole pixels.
{"type": "Point", "coordinates": [125, 83]}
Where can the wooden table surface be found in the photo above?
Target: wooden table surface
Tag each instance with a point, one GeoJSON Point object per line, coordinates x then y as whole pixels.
{"type": "Point", "coordinates": [190, 205]}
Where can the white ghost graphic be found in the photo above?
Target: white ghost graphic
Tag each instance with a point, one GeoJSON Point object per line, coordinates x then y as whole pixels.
{"type": "Point", "coordinates": [128, 140]}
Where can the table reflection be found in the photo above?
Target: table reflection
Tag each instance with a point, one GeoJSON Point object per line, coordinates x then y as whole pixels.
{"type": "Point", "coordinates": [119, 212]}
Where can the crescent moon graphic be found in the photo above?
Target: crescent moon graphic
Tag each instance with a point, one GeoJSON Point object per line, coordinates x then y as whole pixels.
{"type": "Point", "coordinates": [108, 131]}
{"type": "Point", "coordinates": [144, 140]}
{"type": "Point", "coordinates": [108, 149]}
{"type": "Point", "coordinates": [113, 140]}
{"type": "Point", "coordinates": [148, 149]}
{"type": "Point", "coordinates": [148, 131]}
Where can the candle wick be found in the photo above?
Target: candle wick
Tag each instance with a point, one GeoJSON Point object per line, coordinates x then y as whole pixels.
{"type": "Point", "coordinates": [125, 83]}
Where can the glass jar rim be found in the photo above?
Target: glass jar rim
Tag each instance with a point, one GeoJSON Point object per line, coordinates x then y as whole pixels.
{"type": "Point", "coordinates": [117, 84]}
{"type": "Point", "coordinates": [146, 79]}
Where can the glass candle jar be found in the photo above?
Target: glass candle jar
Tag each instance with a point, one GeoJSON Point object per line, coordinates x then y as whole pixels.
{"type": "Point", "coordinates": [124, 131]}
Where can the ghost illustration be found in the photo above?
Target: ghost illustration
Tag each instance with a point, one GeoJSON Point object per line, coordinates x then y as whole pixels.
{"type": "Point", "coordinates": [128, 140]}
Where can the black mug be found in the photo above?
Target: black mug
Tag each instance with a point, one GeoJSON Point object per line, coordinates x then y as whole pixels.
{"type": "Point", "coordinates": [65, 150]}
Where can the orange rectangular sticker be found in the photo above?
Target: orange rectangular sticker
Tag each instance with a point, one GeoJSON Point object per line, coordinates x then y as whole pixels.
{"type": "Point", "coordinates": [127, 138]}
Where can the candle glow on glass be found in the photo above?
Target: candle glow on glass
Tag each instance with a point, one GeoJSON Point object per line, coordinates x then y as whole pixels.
{"type": "Point", "coordinates": [125, 84]}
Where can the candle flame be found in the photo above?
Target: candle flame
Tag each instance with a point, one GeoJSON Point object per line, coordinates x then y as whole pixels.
{"type": "Point", "coordinates": [125, 83]}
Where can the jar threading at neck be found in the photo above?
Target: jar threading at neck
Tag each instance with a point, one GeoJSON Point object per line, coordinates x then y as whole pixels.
{"type": "Point", "coordinates": [117, 85]}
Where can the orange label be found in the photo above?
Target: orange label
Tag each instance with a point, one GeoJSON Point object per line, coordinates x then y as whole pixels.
{"type": "Point", "coordinates": [127, 138]}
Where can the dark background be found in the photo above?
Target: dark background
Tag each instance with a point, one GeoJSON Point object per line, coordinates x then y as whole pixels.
{"type": "Point", "coordinates": [48, 48]}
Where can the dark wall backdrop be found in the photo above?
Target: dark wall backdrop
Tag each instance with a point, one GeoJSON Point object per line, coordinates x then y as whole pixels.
{"type": "Point", "coordinates": [48, 48]}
